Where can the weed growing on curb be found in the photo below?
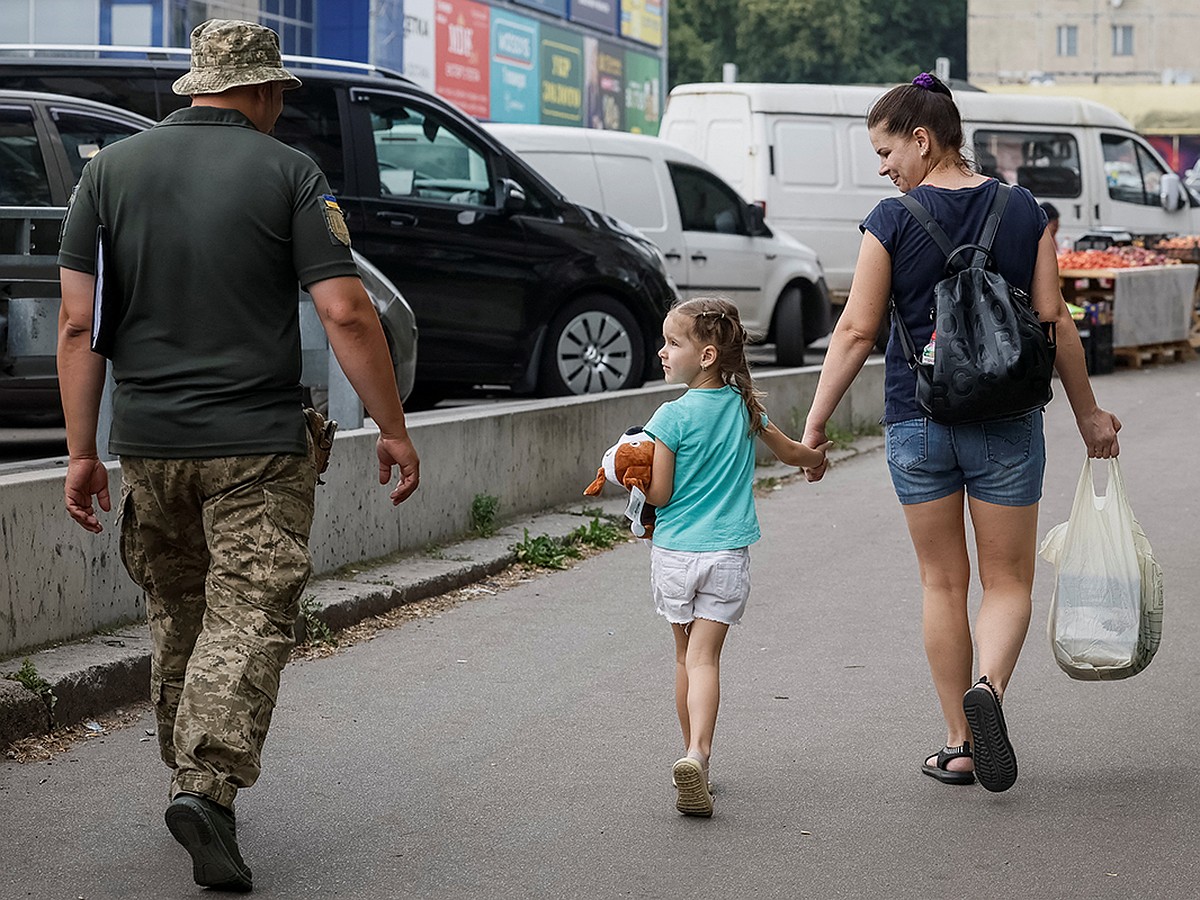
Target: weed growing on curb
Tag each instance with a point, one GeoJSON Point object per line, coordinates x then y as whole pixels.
{"type": "Point", "coordinates": [29, 677]}
{"type": "Point", "coordinates": [545, 552]}
{"type": "Point", "coordinates": [315, 630]}
{"type": "Point", "coordinates": [483, 514]}
{"type": "Point", "coordinates": [597, 533]}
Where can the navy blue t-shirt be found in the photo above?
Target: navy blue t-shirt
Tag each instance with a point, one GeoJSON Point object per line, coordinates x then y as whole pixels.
{"type": "Point", "coordinates": [918, 264]}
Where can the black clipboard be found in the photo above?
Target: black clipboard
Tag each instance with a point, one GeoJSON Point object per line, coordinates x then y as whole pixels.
{"type": "Point", "coordinates": [105, 303]}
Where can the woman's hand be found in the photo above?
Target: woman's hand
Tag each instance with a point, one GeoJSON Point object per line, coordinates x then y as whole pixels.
{"type": "Point", "coordinates": [1099, 432]}
{"type": "Point", "coordinates": [815, 437]}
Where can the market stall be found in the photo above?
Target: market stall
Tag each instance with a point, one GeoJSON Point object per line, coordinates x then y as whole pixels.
{"type": "Point", "coordinates": [1147, 298]}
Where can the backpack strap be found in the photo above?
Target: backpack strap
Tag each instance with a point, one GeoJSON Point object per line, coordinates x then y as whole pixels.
{"type": "Point", "coordinates": [995, 214]}
{"type": "Point", "coordinates": [921, 214]}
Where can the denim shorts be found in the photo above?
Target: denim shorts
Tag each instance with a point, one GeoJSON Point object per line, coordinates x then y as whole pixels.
{"type": "Point", "coordinates": [708, 584]}
{"type": "Point", "coordinates": [997, 462]}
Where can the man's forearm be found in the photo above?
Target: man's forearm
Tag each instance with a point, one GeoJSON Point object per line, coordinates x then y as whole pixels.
{"type": "Point", "coordinates": [80, 371]}
{"type": "Point", "coordinates": [362, 352]}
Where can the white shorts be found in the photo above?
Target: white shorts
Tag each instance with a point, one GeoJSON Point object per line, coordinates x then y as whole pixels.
{"type": "Point", "coordinates": [707, 584]}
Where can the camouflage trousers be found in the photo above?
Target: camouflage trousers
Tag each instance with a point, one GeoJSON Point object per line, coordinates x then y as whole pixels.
{"type": "Point", "coordinates": [220, 547]}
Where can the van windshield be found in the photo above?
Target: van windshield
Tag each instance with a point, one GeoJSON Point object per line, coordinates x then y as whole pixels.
{"type": "Point", "coordinates": [1045, 163]}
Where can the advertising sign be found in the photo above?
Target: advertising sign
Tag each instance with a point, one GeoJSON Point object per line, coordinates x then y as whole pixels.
{"type": "Point", "coordinates": [604, 65]}
{"type": "Point", "coordinates": [561, 59]}
{"type": "Point", "coordinates": [642, 20]}
{"type": "Point", "coordinates": [418, 42]}
{"type": "Point", "coordinates": [515, 83]}
{"type": "Point", "coordinates": [387, 34]}
{"type": "Point", "coordinates": [556, 7]}
{"type": "Point", "coordinates": [463, 34]}
{"type": "Point", "coordinates": [643, 92]}
{"type": "Point", "coordinates": [602, 14]}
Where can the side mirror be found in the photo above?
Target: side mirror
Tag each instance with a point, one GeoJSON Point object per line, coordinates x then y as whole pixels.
{"type": "Point", "coordinates": [510, 196]}
{"type": "Point", "coordinates": [1170, 192]}
{"type": "Point", "coordinates": [758, 223]}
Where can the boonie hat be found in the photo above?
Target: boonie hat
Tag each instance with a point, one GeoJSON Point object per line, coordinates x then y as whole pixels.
{"type": "Point", "coordinates": [227, 53]}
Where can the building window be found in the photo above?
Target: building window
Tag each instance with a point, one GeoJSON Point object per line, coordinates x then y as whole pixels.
{"type": "Point", "coordinates": [1122, 40]}
{"type": "Point", "coordinates": [1068, 40]}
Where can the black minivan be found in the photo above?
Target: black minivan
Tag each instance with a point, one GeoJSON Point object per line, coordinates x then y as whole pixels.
{"type": "Point", "coordinates": [511, 284]}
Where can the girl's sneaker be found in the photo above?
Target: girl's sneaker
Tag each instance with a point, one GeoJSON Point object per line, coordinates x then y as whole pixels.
{"type": "Point", "coordinates": [693, 797]}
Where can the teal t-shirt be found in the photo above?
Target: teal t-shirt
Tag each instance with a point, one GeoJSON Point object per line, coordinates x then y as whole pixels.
{"type": "Point", "coordinates": [712, 501]}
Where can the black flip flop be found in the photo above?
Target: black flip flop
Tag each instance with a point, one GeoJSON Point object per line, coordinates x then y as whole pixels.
{"type": "Point", "coordinates": [995, 759]}
{"type": "Point", "coordinates": [948, 776]}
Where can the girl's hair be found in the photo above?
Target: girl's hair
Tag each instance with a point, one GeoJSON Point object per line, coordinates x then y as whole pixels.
{"type": "Point", "coordinates": [715, 321]}
{"type": "Point", "coordinates": [926, 103]}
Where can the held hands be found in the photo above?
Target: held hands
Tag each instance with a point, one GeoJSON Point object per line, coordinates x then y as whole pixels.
{"type": "Point", "coordinates": [398, 451]}
{"type": "Point", "coordinates": [1099, 432]}
{"type": "Point", "coordinates": [815, 438]}
{"type": "Point", "coordinates": [86, 477]}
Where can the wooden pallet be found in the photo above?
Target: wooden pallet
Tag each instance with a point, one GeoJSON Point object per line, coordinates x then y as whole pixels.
{"type": "Point", "coordinates": [1154, 354]}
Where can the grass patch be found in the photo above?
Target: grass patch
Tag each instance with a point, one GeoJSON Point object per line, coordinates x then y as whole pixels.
{"type": "Point", "coordinates": [483, 514]}
{"type": "Point", "coordinates": [29, 677]}
{"type": "Point", "coordinates": [546, 552]}
{"type": "Point", "coordinates": [316, 632]}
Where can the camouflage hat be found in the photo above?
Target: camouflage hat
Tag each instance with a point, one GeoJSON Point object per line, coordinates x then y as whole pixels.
{"type": "Point", "coordinates": [227, 53]}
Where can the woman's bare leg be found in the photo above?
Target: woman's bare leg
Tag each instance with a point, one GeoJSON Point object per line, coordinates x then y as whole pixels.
{"type": "Point", "coordinates": [1006, 542]}
{"type": "Point", "coordinates": [938, 533]}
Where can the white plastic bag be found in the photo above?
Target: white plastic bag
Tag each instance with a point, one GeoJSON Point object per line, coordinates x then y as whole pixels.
{"type": "Point", "coordinates": [1106, 615]}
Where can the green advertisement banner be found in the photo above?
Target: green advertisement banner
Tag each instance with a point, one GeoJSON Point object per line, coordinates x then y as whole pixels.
{"type": "Point", "coordinates": [562, 70]}
{"type": "Point", "coordinates": [643, 92]}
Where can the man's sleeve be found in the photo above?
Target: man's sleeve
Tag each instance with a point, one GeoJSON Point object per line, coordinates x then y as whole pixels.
{"type": "Point", "coordinates": [78, 247]}
{"type": "Point", "coordinates": [320, 239]}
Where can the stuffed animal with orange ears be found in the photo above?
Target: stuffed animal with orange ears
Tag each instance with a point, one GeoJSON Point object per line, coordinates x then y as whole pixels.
{"type": "Point", "coordinates": [628, 464]}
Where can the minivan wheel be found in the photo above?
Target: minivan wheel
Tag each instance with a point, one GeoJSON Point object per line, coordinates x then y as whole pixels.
{"type": "Point", "coordinates": [789, 328]}
{"type": "Point", "coordinates": [594, 345]}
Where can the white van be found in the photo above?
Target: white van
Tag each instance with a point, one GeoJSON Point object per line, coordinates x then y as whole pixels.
{"type": "Point", "coordinates": [801, 152]}
{"type": "Point", "coordinates": [713, 241]}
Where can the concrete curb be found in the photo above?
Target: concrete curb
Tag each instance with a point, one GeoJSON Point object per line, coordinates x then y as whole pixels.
{"type": "Point", "coordinates": [106, 671]}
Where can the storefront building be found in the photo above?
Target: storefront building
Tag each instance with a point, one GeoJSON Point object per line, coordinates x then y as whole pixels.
{"type": "Point", "coordinates": [587, 63]}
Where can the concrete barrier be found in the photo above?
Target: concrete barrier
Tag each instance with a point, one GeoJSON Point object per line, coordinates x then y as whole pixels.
{"type": "Point", "coordinates": [60, 583]}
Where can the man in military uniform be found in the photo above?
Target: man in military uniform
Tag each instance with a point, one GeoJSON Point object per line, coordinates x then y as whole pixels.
{"type": "Point", "coordinates": [209, 224]}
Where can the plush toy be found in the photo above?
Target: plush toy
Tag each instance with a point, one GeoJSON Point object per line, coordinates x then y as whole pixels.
{"type": "Point", "coordinates": [628, 464]}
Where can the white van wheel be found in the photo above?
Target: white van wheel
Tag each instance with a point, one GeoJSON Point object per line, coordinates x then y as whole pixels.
{"type": "Point", "coordinates": [593, 345]}
{"type": "Point", "coordinates": [789, 328]}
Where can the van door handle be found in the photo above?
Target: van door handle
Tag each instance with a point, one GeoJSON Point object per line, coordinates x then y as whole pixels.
{"type": "Point", "coordinates": [673, 256]}
{"type": "Point", "coordinates": [397, 219]}
{"type": "Point", "coordinates": [699, 257]}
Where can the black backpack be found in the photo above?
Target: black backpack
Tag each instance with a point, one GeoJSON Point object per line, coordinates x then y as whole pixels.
{"type": "Point", "coordinates": [992, 358]}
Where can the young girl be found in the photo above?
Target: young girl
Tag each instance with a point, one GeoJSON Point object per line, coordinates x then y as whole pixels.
{"type": "Point", "coordinates": [702, 483]}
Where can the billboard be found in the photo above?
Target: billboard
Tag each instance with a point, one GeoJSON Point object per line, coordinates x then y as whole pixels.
{"type": "Point", "coordinates": [561, 60]}
{"type": "Point", "coordinates": [418, 42]}
{"type": "Point", "coordinates": [463, 36]}
{"type": "Point", "coordinates": [642, 20]}
{"type": "Point", "coordinates": [555, 7]}
{"type": "Point", "coordinates": [643, 92]}
{"type": "Point", "coordinates": [604, 73]}
{"type": "Point", "coordinates": [602, 14]}
{"type": "Point", "coordinates": [515, 84]}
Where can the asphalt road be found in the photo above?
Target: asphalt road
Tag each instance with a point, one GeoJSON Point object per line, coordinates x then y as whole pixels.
{"type": "Point", "coordinates": [519, 746]}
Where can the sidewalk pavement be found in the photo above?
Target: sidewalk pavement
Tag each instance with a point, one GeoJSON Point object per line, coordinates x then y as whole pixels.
{"type": "Point", "coordinates": [105, 671]}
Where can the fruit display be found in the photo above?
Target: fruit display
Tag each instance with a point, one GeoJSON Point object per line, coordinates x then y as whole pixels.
{"type": "Point", "coordinates": [1114, 258]}
{"type": "Point", "coordinates": [1180, 242]}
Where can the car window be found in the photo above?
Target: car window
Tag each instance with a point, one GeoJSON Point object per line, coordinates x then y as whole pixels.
{"type": "Point", "coordinates": [706, 203]}
{"type": "Point", "coordinates": [23, 180]}
{"type": "Point", "coordinates": [84, 135]}
{"type": "Point", "coordinates": [1043, 162]}
{"type": "Point", "coordinates": [310, 123]}
{"type": "Point", "coordinates": [423, 156]}
{"type": "Point", "coordinates": [1133, 175]}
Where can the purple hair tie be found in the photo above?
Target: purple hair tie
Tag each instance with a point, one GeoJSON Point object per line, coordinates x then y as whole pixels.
{"type": "Point", "coordinates": [924, 80]}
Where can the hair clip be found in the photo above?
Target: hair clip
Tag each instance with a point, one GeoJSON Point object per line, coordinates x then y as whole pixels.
{"type": "Point", "coordinates": [924, 80]}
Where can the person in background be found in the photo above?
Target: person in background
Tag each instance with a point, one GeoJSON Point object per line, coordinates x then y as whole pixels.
{"type": "Point", "coordinates": [702, 481]}
{"type": "Point", "coordinates": [917, 134]}
{"type": "Point", "coordinates": [1051, 212]}
{"type": "Point", "coordinates": [212, 227]}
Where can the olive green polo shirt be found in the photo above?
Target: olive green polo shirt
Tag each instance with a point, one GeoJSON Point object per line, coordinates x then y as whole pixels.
{"type": "Point", "coordinates": [212, 226]}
